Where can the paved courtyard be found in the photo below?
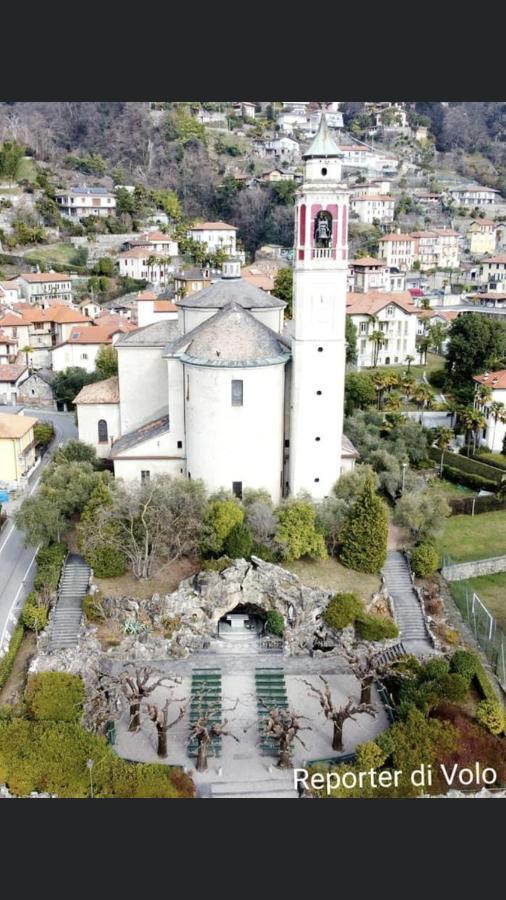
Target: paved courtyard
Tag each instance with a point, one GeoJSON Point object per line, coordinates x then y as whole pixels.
{"type": "Point", "coordinates": [241, 770]}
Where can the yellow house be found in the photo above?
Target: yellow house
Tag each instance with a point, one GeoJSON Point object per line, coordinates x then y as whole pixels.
{"type": "Point", "coordinates": [17, 447]}
{"type": "Point", "coordinates": [482, 236]}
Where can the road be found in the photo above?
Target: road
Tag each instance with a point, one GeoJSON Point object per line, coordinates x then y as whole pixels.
{"type": "Point", "coordinates": [17, 562]}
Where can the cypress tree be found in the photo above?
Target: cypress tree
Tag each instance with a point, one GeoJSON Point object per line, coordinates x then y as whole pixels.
{"type": "Point", "coordinates": [365, 532]}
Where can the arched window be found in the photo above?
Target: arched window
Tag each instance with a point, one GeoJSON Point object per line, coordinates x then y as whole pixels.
{"type": "Point", "coordinates": [102, 431]}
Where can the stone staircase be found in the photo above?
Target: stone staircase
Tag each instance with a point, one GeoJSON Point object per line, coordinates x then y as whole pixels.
{"type": "Point", "coordinates": [408, 613]}
{"type": "Point", "coordinates": [240, 643]}
{"type": "Point", "coordinates": [67, 614]}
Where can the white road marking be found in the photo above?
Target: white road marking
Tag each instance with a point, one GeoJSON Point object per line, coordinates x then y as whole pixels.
{"type": "Point", "coordinates": [8, 536]}
{"type": "Point", "coordinates": [10, 615]}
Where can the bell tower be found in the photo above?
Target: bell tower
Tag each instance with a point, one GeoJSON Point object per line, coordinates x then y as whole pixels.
{"type": "Point", "coordinates": [319, 311]}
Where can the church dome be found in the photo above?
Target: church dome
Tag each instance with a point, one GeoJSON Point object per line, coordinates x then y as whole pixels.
{"type": "Point", "coordinates": [232, 337]}
{"type": "Point", "coordinates": [231, 290]}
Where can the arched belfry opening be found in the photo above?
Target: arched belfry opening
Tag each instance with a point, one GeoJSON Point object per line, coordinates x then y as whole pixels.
{"type": "Point", "coordinates": [323, 229]}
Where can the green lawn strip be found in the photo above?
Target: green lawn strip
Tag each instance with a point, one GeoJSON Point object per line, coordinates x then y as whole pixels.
{"type": "Point", "coordinates": [474, 537]}
{"type": "Point", "coordinates": [491, 590]}
{"type": "Point", "coordinates": [331, 575]}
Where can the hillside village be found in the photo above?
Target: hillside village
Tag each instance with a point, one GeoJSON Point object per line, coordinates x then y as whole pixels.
{"type": "Point", "coordinates": [334, 520]}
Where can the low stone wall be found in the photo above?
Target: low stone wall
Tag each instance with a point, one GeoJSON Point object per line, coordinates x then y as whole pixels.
{"type": "Point", "coordinates": [461, 571]}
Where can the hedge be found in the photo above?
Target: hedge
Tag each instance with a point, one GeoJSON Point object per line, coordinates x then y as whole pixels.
{"type": "Point", "coordinates": [7, 661]}
{"type": "Point", "coordinates": [490, 460]}
{"type": "Point", "coordinates": [471, 480]}
{"type": "Point", "coordinates": [468, 664]}
{"type": "Point", "coordinates": [463, 506]}
{"type": "Point", "coordinates": [465, 464]}
{"type": "Point", "coordinates": [54, 696]}
{"type": "Point", "coordinates": [342, 610]}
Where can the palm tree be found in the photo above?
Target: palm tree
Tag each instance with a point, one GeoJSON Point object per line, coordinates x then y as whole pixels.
{"type": "Point", "coordinates": [473, 421]}
{"type": "Point", "coordinates": [444, 437]}
{"type": "Point", "coordinates": [409, 360]}
{"type": "Point", "coordinates": [26, 350]}
{"type": "Point", "coordinates": [498, 413]}
{"type": "Point", "coordinates": [423, 398]}
{"type": "Point", "coordinates": [379, 382]}
{"type": "Point", "coordinates": [483, 395]}
{"type": "Point", "coordinates": [393, 401]}
{"type": "Point", "coordinates": [423, 348]}
{"type": "Point", "coordinates": [151, 262]}
{"type": "Point", "coordinates": [377, 338]}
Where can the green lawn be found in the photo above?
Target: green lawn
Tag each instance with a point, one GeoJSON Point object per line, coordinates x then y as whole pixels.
{"type": "Point", "coordinates": [26, 169]}
{"type": "Point", "coordinates": [61, 254]}
{"type": "Point", "coordinates": [433, 364]}
{"type": "Point", "coordinates": [329, 574]}
{"type": "Point", "coordinates": [455, 490]}
{"type": "Point", "coordinates": [491, 589]}
{"type": "Point", "coordinates": [474, 537]}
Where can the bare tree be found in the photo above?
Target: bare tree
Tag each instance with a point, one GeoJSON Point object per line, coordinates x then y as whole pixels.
{"type": "Point", "coordinates": [283, 726]}
{"type": "Point", "coordinates": [136, 688]}
{"type": "Point", "coordinates": [338, 715]}
{"type": "Point", "coordinates": [204, 729]}
{"type": "Point", "coordinates": [160, 718]}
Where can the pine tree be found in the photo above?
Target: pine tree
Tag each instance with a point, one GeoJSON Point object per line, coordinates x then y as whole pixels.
{"type": "Point", "coordinates": [365, 532]}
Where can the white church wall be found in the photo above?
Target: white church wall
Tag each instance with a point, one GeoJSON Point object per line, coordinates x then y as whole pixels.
{"type": "Point", "coordinates": [227, 443]}
{"type": "Point", "coordinates": [156, 456]}
{"type": "Point", "coordinates": [88, 417]}
{"type": "Point", "coordinates": [142, 375]}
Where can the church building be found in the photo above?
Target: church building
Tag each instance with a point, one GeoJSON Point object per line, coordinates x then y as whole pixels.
{"type": "Point", "coordinates": [229, 392]}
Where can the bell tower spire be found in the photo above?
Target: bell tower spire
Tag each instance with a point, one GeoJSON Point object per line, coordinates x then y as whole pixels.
{"type": "Point", "coordinates": [319, 310]}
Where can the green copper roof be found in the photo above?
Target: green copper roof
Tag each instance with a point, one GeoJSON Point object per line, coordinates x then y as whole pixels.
{"type": "Point", "coordinates": [323, 143]}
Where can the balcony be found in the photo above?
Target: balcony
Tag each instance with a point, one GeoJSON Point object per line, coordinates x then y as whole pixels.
{"type": "Point", "coordinates": [322, 253]}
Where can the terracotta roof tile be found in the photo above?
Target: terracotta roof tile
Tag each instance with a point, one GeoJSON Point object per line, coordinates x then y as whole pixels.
{"type": "Point", "coordinates": [11, 373]}
{"type": "Point", "coordinates": [495, 380]}
{"type": "Point", "coordinates": [12, 426]}
{"type": "Point", "coordinates": [372, 302]}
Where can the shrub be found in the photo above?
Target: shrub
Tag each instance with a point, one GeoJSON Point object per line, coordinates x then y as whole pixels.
{"type": "Point", "coordinates": [464, 464]}
{"type": "Point", "coordinates": [7, 660]}
{"type": "Point", "coordinates": [263, 552]}
{"type": "Point", "coordinates": [490, 714]}
{"type": "Point", "coordinates": [54, 696]}
{"type": "Point", "coordinates": [468, 664]}
{"type": "Point", "coordinates": [219, 519]}
{"type": "Point", "coordinates": [216, 565]}
{"type": "Point", "coordinates": [239, 542]}
{"type": "Point", "coordinates": [297, 532]}
{"type": "Point", "coordinates": [469, 479]}
{"type": "Point", "coordinates": [92, 608]}
{"type": "Point", "coordinates": [275, 623]}
{"type": "Point", "coordinates": [375, 628]}
{"type": "Point", "coordinates": [107, 562]}
{"type": "Point", "coordinates": [342, 610]}
{"type": "Point", "coordinates": [424, 559]}
{"type": "Point", "coordinates": [434, 668]}
{"type": "Point", "coordinates": [34, 614]}
{"type": "Point", "coordinates": [365, 532]}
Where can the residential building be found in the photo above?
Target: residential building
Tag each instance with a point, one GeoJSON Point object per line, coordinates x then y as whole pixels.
{"type": "Point", "coordinates": [245, 109]}
{"type": "Point", "coordinates": [156, 242]}
{"type": "Point", "coordinates": [39, 288]}
{"type": "Point", "coordinates": [370, 274]}
{"type": "Point", "coordinates": [371, 208]}
{"type": "Point", "coordinates": [279, 148]}
{"type": "Point", "coordinates": [98, 415]}
{"type": "Point", "coordinates": [83, 345]}
{"type": "Point", "coordinates": [492, 273]}
{"type": "Point", "coordinates": [39, 329]}
{"type": "Point", "coordinates": [481, 235]}
{"type": "Point", "coordinates": [82, 201]}
{"type": "Point", "coordinates": [145, 264]}
{"type": "Point", "coordinates": [90, 308]}
{"type": "Point", "coordinates": [474, 196]}
{"type": "Point", "coordinates": [217, 236]}
{"type": "Point", "coordinates": [494, 433]}
{"type": "Point", "coordinates": [11, 377]}
{"type": "Point", "coordinates": [194, 279]}
{"type": "Point", "coordinates": [258, 278]}
{"type": "Point", "coordinates": [398, 250]}
{"type": "Point", "coordinates": [17, 449]}
{"type": "Point", "coordinates": [8, 349]}
{"type": "Point", "coordinates": [152, 309]}
{"type": "Point", "coordinates": [274, 175]}
{"type": "Point", "coordinates": [10, 291]}
{"type": "Point", "coordinates": [36, 391]}
{"type": "Point", "coordinates": [394, 314]}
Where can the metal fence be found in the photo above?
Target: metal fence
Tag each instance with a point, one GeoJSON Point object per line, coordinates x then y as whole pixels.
{"type": "Point", "coordinates": [490, 635]}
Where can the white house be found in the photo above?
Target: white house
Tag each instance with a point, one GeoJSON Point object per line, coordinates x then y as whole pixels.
{"type": "Point", "coordinates": [217, 236]}
{"type": "Point", "coordinates": [42, 287]}
{"type": "Point", "coordinates": [495, 431]}
{"type": "Point", "coordinates": [493, 272]}
{"type": "Point", "coordinates": [145, 264]}
{"type": "Point", "coordinates": [370, 274]}
{"type": "Point", "coordinates": [83, 345]}
{"type": "Point", "coordinates": [280, 148]}
{"type": "Point", "coordinates": [11, 378]}
{"type": "Point", "coordinates": [474, 196]}
{"type": "Point", "coordinates": [394, 314]}
{"type": "Point", "coordinates": [398, 250]}
{"type": "Point", "coordinates": [8, 349]}
{"type": "Point", "coordinates": [373, 207]}
{"type": "Point", "coordinates": [224, 393]}
{"type": "Point", "coordinates": [156, 242]}
{"type": "Point", "coordinates": [82, 201]}
{"type": "Point", "coordinates": [151, 308]}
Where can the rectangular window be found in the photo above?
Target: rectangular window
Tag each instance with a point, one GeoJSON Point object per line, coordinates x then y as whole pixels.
{"type": "Point", "coordinates": [237, 489]}
{"type": "Point", "coordinates": [237, 393]}
{"type": "Point", "coordinates": [145, 475]}
{"type": "Point", "coordinates": [363, 327]}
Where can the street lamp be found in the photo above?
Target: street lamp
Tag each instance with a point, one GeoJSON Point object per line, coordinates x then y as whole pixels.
{"type": "Point", "coordinates": [89, 766]}
{"type": "Point", "coordinates": [404, 467]}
